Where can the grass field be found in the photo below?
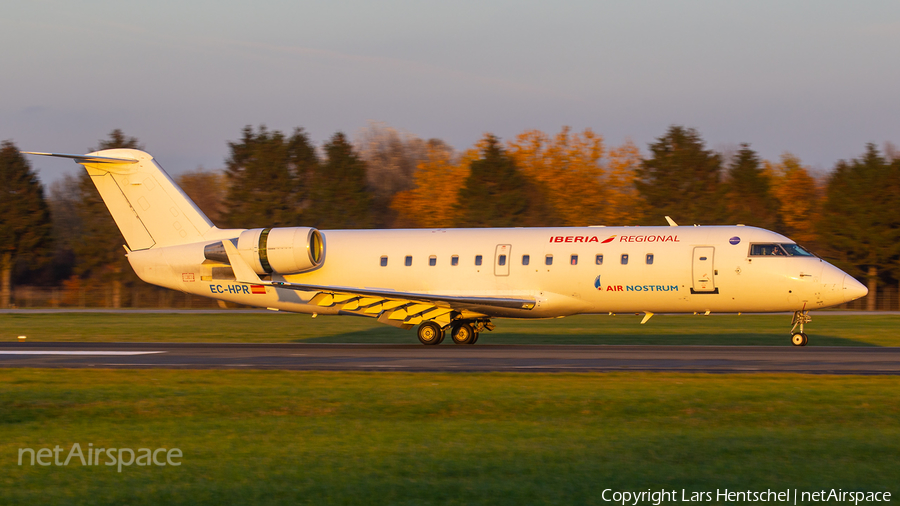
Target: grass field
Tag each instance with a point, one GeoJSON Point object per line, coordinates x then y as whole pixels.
{"type": "Point", "coordinates": [398, 438]}
{"type": "Point", "coordinates": [827, 329]}
{"type": "Point", "coordinates": [286, 437]}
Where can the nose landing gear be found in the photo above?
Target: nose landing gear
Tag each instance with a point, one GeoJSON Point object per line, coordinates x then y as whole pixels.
{"type": "Point", "coordinates": [800, 338]}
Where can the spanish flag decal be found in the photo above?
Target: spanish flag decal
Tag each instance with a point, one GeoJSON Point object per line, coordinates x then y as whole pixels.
{"type": "Point", "coordinates": [258, 289]}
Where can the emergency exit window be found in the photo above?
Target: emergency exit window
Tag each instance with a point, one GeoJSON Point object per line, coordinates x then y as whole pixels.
{"type": "Point", "coordinates": [501, 260]}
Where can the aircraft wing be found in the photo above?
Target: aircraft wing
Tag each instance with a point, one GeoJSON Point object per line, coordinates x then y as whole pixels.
{"type": "Point", "coordinates": [406, 308]}
{"type": "Point", "coordinates": [402, 309]}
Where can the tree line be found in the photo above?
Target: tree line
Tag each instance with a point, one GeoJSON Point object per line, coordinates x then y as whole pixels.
{"type": "Point", "coordinates": [388, 179]}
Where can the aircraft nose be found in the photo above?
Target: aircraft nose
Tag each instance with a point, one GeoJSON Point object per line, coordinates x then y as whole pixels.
{"type": "Point", "coordinates": [853, 289]}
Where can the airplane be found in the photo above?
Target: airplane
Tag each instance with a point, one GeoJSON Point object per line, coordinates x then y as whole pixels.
{"type": "Point", "coordinates": [456, 281]}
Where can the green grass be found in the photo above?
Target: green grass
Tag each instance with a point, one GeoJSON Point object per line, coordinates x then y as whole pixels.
{"type": "Point", "coordinates": [827, 329]}
{"type": "Point", "coordinates": [397, 438]}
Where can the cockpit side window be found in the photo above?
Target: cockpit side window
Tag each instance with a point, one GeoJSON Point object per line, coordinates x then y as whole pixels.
{"type": "Point", "coordinates": [778, 250]}
{"type": "Point", "coordinates": [796, 251]}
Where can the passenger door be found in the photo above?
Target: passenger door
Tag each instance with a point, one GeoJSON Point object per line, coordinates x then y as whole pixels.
{"type": "Point", "coordinates": [704, 270]}
{"type": "Point", "coordinates": [502, 259]}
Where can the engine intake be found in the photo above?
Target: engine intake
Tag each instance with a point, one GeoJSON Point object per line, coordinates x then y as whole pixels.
{"type": "Point", "coordinates": [286, 250]}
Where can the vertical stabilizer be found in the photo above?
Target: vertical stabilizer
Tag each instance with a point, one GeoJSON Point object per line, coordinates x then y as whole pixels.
{"type": "Point", "coordinates": [148, 207]}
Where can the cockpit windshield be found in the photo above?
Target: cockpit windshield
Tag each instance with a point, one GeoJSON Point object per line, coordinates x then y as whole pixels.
{"type": "Point", "coordinates": [778, 250]}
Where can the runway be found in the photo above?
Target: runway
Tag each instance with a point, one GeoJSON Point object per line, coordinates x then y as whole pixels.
{"type": "Point", "coordinates": [478, 358]}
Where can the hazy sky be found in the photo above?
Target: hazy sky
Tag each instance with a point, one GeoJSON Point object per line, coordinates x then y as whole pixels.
{"type": "Point", "coordinates": [817, 78]}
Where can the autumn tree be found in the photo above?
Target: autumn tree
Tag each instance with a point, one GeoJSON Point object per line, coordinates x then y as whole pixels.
{"type": "Point", "coordinates": [340, 197]}
{"type": "Point", "coordinates": [391, 159]}
{"type": "Point", "coordinates": [569, 168]}
{"type": "Point", "coordinates": [625, 206]}
{"type": "Point", "coordinates": [749, 198]}
{"type": "Point", "coordinates": [437, 180]}
{"type": "Point", "coordinates": [269, 178]}
{"type": "Point", "coordinates": [860, 216]}
{"type": "Point", "coordinates": [799, 199]}
{"type": "Point", "coordinates": [25, 227]}
{"type": "Point", "coordinates": [682, 178]}
{"type": "Point", "coordinates": [208, 189]}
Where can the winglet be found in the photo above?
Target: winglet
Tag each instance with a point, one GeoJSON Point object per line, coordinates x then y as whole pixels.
{"type": "Point", "coordinates": [671, 222]}
{"type": "Point", "coordinates": [242, 271]}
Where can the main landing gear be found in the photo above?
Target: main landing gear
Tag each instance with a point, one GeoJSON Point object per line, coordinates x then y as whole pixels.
{"type": "Point", "coordinates": [461, 331]}
{"type": "Point", "coordinates": [800, 338]}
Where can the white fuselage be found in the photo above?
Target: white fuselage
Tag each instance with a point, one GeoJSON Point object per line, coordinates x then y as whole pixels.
{"type": "Point", "coordinates": [693, 269]}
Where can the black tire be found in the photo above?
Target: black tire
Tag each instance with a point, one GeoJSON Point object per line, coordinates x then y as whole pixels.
{"type": "Point", "coordinates": [798, 339]}
{"type": "Point", "coordinates": [463, 334]}
{"type": "Point", "coordinates": [475, 340]}
{"type": "Point", "coordinates": [805, 339]}
{"type": "Point", "coordinates": [430, 333]}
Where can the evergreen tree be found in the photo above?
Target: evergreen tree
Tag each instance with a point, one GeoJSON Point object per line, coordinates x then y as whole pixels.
{"type": "Point", "coordinates": [749, 197]}
{"type": "Point", "coordinates": [98, 251]}
{"type": "Point", "coordinates": [860, 217]}
{"type": "Point", "coordinates": [340, 196]}
{"type": "Point", "coordinates": [681, 179]}
{"type": "Point", "coordinates": [496, 193]}
{"type": "Point", "coordinates": [269, 177]}
{"type": "Point", "coordinates": [25, 227]}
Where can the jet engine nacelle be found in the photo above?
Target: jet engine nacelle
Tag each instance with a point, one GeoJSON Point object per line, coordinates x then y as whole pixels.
{"type": "Point", "coordinates": [282, 250]}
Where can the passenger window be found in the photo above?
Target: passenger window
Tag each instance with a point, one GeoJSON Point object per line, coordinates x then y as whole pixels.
{"type": "Point", "coordinates": [624, 259]}
{"type": "Point", "coordinates": [454, 260]}
{"type": "Point", "coordinates": [574, 260]}
{"type": "Point", "coordinates": [649, 258]}
{"type": "Point", "coordinates": [408, 260]}
{"type": "Point", "coordinates": [384, 261]}
{"type": "Point", "coordinates": [477, 259]}
{"type": "Point", "coordinates": [432, 261]}
{"type": "Point", "coordinates": [525, 259]}
{"type": "Point", "coordinates": [548, 260]}
{"type": "Point", "coordinates": [599, 260]}
{"type": "Point", "coordinates": [501, 260]}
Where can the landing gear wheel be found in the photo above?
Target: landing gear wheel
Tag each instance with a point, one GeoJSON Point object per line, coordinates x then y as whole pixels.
{"type": "Point", "coordinates": [799, 339]}
{"type": "Point", "coordinates": [463, 334]}
{"type": "Point", "coordinates": [430, 333]}
{"type": "Point", "coordinates": [475, 339]}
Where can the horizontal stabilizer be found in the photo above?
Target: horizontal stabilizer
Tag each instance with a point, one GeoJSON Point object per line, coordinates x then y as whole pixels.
{"type": "Point", "coordinates": [85, 158]}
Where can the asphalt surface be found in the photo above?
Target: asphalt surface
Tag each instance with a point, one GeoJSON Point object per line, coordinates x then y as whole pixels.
{"type": "Point", "coordinates": [513, 358]}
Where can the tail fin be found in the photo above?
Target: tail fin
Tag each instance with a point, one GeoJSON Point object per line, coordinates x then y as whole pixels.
{"type": "Point", "coordinates": [148, 207]}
